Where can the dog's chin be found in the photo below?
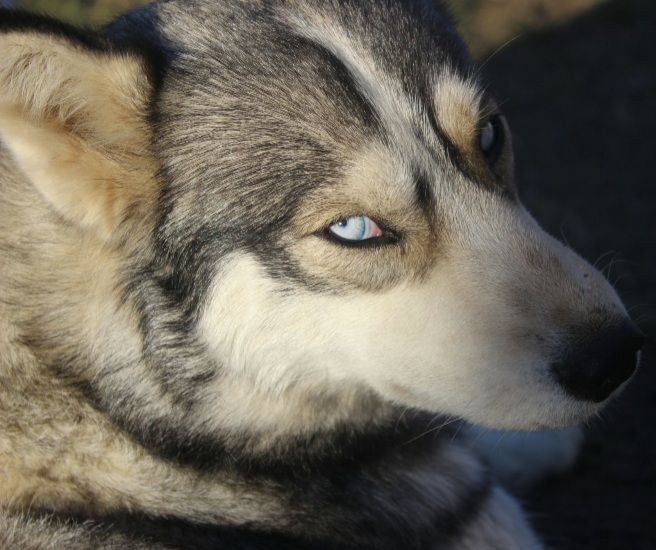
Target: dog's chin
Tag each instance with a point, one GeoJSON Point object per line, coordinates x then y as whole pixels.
{"type": "Point", "coordinates": [526, 412]}
{"type": "Point", "coordinates": [561, 413]}
{"type": "Point", "coordinates": [547, 404]}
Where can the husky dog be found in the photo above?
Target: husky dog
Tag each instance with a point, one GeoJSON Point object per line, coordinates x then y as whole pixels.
{"type": "Point", "coordinates": [257, 258]}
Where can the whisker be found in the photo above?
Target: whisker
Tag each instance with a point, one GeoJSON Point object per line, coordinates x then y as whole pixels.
{"type": "Point", "coordinates": [602, 256]}
{"type": "Point", "coordinates": [480, 66]}
{"type": "Point", "coordinates": [431, 430]}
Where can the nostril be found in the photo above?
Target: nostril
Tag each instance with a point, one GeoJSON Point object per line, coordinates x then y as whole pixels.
{"type": "Point", "coordinates": [598, 362]}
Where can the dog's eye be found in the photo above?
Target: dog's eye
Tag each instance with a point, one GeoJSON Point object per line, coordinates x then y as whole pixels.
{"type": "Point", "coordinates": [355, 229]}
{"type": "Point", "coordinates": [491, 138]}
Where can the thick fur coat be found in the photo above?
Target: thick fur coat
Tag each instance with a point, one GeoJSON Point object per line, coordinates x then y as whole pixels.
{"type": "Point", "coordinates": [191, 358]}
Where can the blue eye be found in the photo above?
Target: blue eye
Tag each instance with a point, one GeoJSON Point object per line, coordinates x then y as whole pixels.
{"type": "Point", "coordinates": [355, 229]}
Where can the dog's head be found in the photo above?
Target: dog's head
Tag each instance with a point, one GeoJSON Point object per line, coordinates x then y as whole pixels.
{"type": "Point", "coordinates": [338, 214]}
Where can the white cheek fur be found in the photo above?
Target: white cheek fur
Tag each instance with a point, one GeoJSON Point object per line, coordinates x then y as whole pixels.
{"type": "Point", "coordinates": [417, 345]}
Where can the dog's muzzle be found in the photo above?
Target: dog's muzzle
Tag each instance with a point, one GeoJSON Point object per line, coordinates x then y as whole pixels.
{"type": "Point", "coordinates": [598, 362]}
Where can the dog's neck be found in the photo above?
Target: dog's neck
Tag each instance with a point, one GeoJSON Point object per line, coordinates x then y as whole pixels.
{"type": "Point", "coordinates": [60, 453]}
{"type": "Point", "coordinates": [73, 459]}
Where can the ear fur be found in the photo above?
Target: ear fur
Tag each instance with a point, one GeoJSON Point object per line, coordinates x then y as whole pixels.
{"type": "Point", "coordinates": [74, 115]}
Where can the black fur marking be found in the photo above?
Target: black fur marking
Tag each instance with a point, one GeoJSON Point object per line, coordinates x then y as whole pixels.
{"type": "Point", "coordinates": [314, 452]}
{"type": "Point", "coordinates": [136, 32]}
{"type": "Point", "coordinates": [425, 195]}
{"type": "Point", "coordinates": [134, 44]}
{"type": "Point", "coordinates": [343, 507]}
{"type": "Point", "coordinates": [178, 534]}
{"type": "Point", "coordinates": [358, 104]}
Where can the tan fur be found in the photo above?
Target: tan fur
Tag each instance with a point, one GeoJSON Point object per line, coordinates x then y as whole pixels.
{"type": "Point", "coordinates": [379, 185]}
{"type": "Point", "coordinates": [75, 123]}
{"type": "Point", "coordinates": [459, 110]}
{"type": "Point", "coordinates": [462, 109]}
{"type": "Point", "coordinates": [22, 532]}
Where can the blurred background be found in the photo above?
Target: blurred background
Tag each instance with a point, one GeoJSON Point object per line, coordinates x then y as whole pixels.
{"type": "Point", "coordinates": [577, 81]}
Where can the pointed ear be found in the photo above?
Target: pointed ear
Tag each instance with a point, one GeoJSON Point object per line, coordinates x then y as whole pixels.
{"type": "Point", "coordinates": [74, 115]}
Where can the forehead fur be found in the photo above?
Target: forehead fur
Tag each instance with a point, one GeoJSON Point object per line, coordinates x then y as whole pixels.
{"type": "Point", "coordinates": [313, 62]}
{"type": "Point", "coordinates": [277, 94]}
{"type": "Point", "coordinates": [265, 103]}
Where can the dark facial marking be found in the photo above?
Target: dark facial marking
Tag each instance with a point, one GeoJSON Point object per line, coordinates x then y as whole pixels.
{"type": "Point", "coordinates": [357, 102]}
{"type": "Point", "coordinates": [425, 195]}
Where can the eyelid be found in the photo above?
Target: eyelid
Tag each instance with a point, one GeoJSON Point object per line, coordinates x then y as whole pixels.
{"type": "Point", "coordinates": [385, 239]}
{"type": "Point", "coordinates": [492, 117]}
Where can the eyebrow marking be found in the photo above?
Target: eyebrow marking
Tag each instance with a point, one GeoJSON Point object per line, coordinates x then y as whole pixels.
{"type": "Point", "coordinates": [453, 154]}
{"type": "Point", "coordinates": [424, 194]}
{"type": "Point", "coordinates": [395, 111]}
{"type": "Point", "coordinates": [343, 75]}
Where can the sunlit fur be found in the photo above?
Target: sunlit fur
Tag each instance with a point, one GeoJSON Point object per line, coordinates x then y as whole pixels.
{"type": "Point", "coordinates": [187, 358]}
{"type": "Point", "coordinates": [75, 122]}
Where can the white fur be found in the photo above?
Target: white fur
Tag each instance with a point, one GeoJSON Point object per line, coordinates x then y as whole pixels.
{"type": "Point", "coordinates": [474, 338]}
{"type": "Point", "coordinates": [434, 344]}
{"type": "Point", "coordinates": [448, 343]}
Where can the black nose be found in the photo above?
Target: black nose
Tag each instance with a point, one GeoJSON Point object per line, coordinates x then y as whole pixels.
{"type": "Point", "coordinates": [598, 362]}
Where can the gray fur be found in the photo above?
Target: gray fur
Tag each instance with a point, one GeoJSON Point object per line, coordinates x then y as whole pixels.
{"type": "Point", "coordinates": [109, 390]}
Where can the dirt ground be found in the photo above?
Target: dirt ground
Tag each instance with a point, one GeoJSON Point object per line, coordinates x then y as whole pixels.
{"type": "Point", "coordinates": [581, 98]}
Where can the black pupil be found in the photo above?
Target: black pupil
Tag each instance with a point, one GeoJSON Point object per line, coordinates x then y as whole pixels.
{"type": "Point", "coordinates": [342, 223]}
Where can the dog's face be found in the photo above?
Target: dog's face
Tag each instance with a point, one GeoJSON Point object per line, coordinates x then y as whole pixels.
{"type": "Point", "coordinates": [364, 179]}
{"type": "Point", "coordinates": [339, 213]}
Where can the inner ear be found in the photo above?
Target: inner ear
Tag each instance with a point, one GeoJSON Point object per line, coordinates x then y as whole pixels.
{"type": "Point", "coordinates": [74, 115]}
